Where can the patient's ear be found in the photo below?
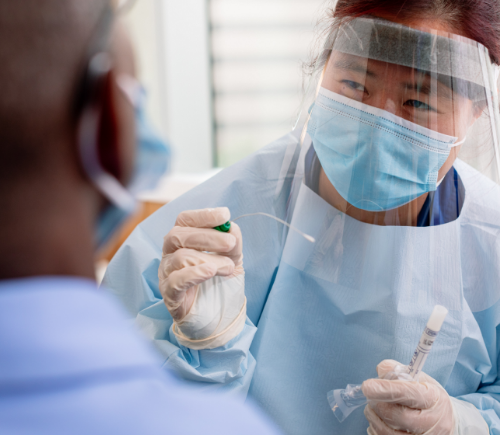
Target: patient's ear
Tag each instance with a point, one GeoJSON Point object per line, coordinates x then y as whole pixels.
{"type": "Point", "coordinates": [119, 111]}
{"type": "Point", "coordinates": [108, 146]}
{"type": "Point", "coordinates": [117, 131]}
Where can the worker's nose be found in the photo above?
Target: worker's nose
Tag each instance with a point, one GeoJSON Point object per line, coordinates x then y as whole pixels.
{"type": "Point", "coordinates": [387, 101]}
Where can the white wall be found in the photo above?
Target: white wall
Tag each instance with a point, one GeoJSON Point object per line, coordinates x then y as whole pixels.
{"type": "Point", "coordinates": [171, 39]}
{"type": "Point", "coordinates": [145, 26]}
{"type": "Point", "coordinates": [224, 76]}
{"type": "Point", "coordinates": [258, 47]}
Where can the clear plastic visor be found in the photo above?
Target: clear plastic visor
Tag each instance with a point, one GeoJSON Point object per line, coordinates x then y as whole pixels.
{"type": "Point", "coordinates": [394, 107]}
{"type": "Point", "coordinates": [435, 80]}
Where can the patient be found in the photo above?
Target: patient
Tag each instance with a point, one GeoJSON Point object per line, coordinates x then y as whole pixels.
{"type": "Point", "coordinates": [70, 113]}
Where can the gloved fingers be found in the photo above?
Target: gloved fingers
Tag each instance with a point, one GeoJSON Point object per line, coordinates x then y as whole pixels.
{"type": "Point", "coordinates": [425, 378]}
{"type": "Point", "coordinates": [236, 254]}
{"type": "Point", "coordinates": [204, 218]}
{"type": "Point", "coordinates": [386, 366]}
{"type": "Point", "coordinates": [174, 287]}
{"type": "Point", "coordinates": [377, 426]}
{"type": "Point", "coordinates": [390, 367]}
{"type": "Point", "coordinates": [402, 418]}
{"type": "Point", "coordinates": [200, 239]}
{"type": "Point", "coordinates": [189, 257]}
{"type": "Point", "coordinates": [415, 395]}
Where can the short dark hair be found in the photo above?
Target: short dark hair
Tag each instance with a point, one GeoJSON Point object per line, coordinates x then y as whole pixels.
{"type": "Point", "coordinates": [42, 52]}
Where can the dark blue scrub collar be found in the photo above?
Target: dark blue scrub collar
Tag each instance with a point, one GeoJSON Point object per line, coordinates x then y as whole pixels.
{"type": "Point", "coordinates": [445, 204]}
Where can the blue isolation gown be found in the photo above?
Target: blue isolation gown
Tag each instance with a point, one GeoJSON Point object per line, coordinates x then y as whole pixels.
{"type": "Point", "coordinates": [323, 315]}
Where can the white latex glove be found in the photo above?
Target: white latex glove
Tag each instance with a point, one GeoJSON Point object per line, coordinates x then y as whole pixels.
{"type": "Point", "coordinates": [423, 407]}
{"type": "Point", "coordinates": [202, 280]}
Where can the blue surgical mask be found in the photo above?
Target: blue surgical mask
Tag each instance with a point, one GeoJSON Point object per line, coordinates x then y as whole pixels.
{"type": "Point", "coordinates": [375, 160]}
{"type": "Point", "coordinates": [151, 163]}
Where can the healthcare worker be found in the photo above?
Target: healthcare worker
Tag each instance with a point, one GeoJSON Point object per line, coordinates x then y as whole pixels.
{"type": "Point", "coordinates": [73, 133]}
{"type": "Point", "coordinates": [394, 170]}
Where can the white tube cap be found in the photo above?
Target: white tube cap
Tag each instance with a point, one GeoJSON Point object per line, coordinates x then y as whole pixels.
{"type": "Point", "coordinates": [437, 318]}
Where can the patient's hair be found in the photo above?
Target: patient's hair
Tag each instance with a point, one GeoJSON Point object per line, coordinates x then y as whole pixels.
{"type": "Point", "coordinates": [477, 19]}
{"type": "Point", "coordinates": [43, 45]}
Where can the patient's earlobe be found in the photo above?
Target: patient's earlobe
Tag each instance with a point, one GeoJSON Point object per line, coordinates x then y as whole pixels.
{"type": "Point", "coordinates": [107, 138]}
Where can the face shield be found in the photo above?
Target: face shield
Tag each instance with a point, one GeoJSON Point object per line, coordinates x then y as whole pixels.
{"type": "Point", "coordinates": [392, 109]}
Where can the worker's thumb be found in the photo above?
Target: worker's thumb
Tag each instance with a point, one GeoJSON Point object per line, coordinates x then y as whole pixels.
{"type": "Point", "coordinates": [386, 366]}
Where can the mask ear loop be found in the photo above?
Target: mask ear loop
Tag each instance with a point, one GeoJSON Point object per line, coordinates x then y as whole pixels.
{"type": "Point", "coordinates": [130, 88]}
{"type": "Point", "coordinates": [109, 186]}
{"type": "Point", "coordinates": [124, 6]}
{"type": "Point", "coordinates": [453, 145]}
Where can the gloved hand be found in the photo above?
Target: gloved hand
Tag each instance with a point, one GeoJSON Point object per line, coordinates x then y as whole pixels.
{"type": "Point", "coordinates": [201, 279]}
{"type": "Point", "coordinates": [423, 407]}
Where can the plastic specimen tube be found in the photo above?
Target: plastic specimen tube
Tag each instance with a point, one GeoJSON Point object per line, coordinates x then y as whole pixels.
{"type": "Point", "coordinates": [426, 340]}
{"type": "Point", "coordinates": [344, 401]}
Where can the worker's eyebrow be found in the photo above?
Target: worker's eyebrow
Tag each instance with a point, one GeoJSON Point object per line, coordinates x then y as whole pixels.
{"type": "Point", "coordinates": [353, 65]}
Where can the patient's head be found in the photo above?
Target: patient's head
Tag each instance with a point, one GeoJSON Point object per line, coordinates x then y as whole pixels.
{"type": "Point", "coordinates": [45, 48]}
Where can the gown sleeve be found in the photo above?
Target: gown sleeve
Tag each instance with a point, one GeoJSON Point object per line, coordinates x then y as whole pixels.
{"type": "Point", "coordinates": [229, 367]}
{"type": "Point", "coordinates": [135, 282]}
{"type": "Point", "coordinates": [477, 366]}
{"type": "Point", "coordinates": [488, 406]}
{"type": "Point", "coordinates": [132, 274]}
{"type": "Point", "coordinates": [487, 397]}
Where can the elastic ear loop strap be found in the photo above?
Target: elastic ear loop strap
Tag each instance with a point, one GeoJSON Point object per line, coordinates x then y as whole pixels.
{"type": "Point", "coordinates": [180, 335]}
{"type": "Point", "coordinates": [458, 143]}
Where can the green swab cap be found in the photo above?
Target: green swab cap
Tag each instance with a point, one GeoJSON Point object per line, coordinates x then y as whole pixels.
{"type": "Point", "coordinates": [224, 227]}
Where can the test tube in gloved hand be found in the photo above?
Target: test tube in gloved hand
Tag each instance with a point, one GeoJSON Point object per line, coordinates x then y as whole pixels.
{"type": "Point", "coordinates": [345, 401]}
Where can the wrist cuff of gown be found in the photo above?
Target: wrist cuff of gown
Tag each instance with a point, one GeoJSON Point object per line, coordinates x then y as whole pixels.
{"type": "Point", "coordinates": [216, 339]}
{"type": "Point", "coordinates": [468, 420]}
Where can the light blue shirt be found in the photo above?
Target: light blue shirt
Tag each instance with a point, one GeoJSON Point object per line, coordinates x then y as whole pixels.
{"type": "Point", "coordinates": [70, 363]}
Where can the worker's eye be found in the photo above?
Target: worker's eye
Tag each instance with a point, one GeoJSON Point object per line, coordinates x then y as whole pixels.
{"type": "Point", "coordinates": [419, 105]}
{"type": "Point", "coordinates": [354, 85]}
